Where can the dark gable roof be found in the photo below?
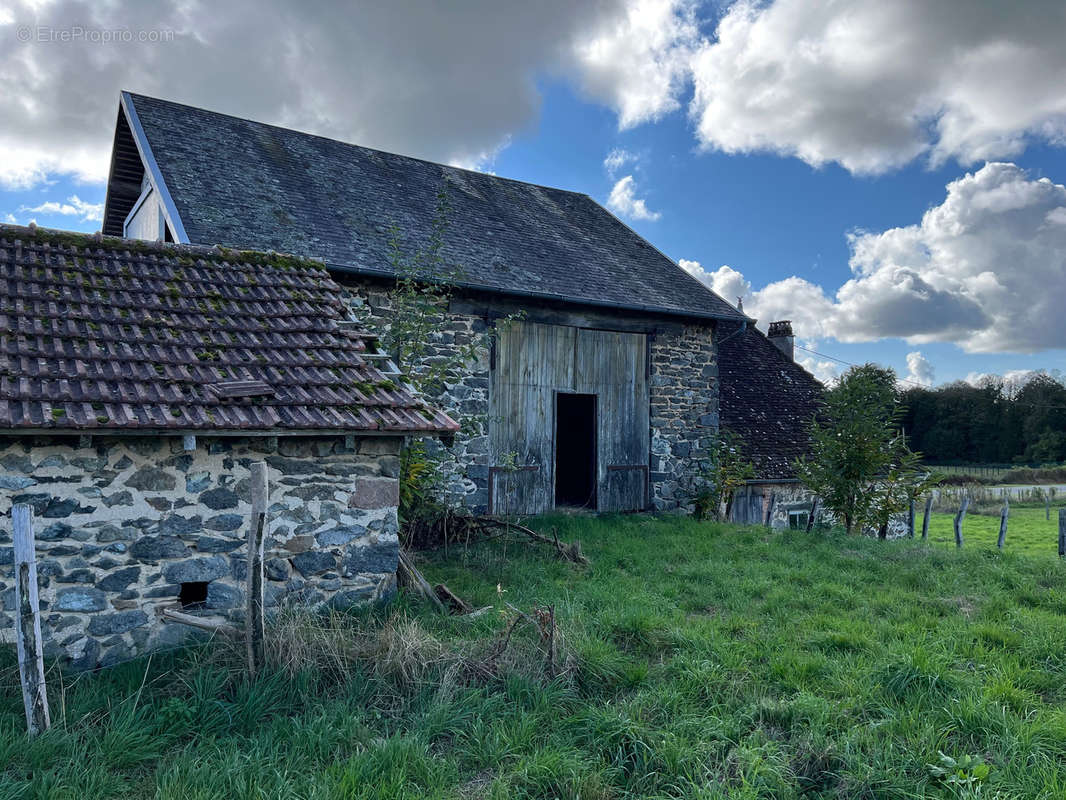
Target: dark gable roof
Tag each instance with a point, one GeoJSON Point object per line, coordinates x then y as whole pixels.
{"type": "Point", "coordinates": [249, 185]}
{"type": "Point", "coordinates": [104, 334]}
{"type": "Point", "coordinates": [766, 399]}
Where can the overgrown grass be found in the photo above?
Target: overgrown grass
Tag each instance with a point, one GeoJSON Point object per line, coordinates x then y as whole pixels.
{"type": "Point", "coordinates": [708, 662]}
{"type": "Point", "coordinates": [1028, 530]}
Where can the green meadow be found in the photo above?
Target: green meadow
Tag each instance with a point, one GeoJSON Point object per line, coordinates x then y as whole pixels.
{"type": "Point", "coordinates": [693, 660]}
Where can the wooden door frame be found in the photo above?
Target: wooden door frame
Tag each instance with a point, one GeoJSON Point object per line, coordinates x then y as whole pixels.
{"type": "Point", "coordinates": [595, 442]}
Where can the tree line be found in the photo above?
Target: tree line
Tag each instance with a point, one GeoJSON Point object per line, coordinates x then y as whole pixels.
{"type": "Point", "coordinates": [995, 422]}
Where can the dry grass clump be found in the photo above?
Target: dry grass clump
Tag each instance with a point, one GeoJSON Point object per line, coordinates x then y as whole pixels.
{"type": "Point", "coordinates": [336, 645]}
{"type": "Point", "coordinates": [400, 649]}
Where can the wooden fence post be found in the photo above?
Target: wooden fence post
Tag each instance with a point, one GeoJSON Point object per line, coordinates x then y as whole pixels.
{"type": "Point", "coordinates": [255, 627]}
{"type": "Point", "coordinates": [1003, 515]}
{"type": "Point", "coordinates": [28, 622]}
{"type": "Point", "coordinates": [1047, 505]}
{"type": "Point", "coordinates": [925, 517]}
{"type": "Point", "coordinates": [814, 513]}
{"type": "Point", "coordinates": [959, 517]}
{"type": "Point", "coordinates": [1062, 532]}
{"type": "Point", "coordinates": [910, 520]}
{"type": "Point", "coordinates": [770, 510]}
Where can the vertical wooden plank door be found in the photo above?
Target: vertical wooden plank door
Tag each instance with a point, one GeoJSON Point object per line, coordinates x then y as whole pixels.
{"type": "Point", "coordinates": [612, 366]}
{"type": "Point", "coordinates": [533, 362]}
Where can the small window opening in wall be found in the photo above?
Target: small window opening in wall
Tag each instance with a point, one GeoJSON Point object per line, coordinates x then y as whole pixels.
{"type": "Point", "coordinates": [575, 450]}
{"type": "Point", "coordinates": [193, 595]}
{"type": "Point", "coordinates": [797, 520]}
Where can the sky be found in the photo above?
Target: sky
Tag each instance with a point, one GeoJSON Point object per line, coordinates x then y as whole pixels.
{"type": "Point", "coordinates": [889, 176]}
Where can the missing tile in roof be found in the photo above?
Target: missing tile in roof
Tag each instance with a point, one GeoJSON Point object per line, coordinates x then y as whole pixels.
{"type": "Point", "coordinates": [230, 389]}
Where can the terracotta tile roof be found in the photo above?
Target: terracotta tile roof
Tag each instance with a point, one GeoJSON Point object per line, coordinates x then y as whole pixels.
{"type": "Point", "coordinates": [766, 399]}
{"type": "Point", "coordinates": [107, 334]}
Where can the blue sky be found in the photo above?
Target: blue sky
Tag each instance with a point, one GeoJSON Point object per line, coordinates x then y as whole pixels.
{"type": "Point", "coordinates": [837, 161]}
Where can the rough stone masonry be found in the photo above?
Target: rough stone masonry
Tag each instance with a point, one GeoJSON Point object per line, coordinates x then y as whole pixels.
{"type": "Point", "coordinates": [132, 525]}
{"type": "Point", "coordinates": [683, 395]}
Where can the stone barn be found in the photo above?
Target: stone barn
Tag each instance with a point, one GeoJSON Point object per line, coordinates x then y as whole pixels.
{"type": "Point", "coordinates": [604, 395]}
{"type": "Point", "coordinates": [138, 382]}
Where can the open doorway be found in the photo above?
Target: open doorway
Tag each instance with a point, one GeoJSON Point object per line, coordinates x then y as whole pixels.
{"type": "Point", "coordinates": [575, 450]}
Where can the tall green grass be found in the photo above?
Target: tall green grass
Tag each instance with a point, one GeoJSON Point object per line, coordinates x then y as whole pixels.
{"type": "Point", "coordinates": [706, 661]}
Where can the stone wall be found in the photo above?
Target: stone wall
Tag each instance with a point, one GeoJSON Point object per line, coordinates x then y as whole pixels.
{"type": "Point", "coordinates": [464, 458]}
{"type": "Point", "coordinates": [683, 394]}
{"type": "Point", "coordinates": [122, 524]}
{"type": "Point", "coordinates": [684, 413]}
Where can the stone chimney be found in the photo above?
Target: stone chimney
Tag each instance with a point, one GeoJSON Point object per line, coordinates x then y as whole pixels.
{"type": "Point", "coordinates": [780, 334]}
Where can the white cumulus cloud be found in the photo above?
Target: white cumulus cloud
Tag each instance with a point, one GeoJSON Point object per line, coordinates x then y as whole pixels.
{"type": "Point", "coordinates": [985, 269]}
{"type": "Point", "coordinates": [919, 369]}
{"type": "Point", "coordinates": [73, 207]}
{"type": "Point", "coordinates": [639, 63]}
{"type": "Point", "coordinates": [873, 85]}
{"type": "Point", "coordinates": [623, 201]}
{"type": "Point", "coordinates": [446, 81]}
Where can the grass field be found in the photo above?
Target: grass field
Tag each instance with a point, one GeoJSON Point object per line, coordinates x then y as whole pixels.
{"type": "Point", "coordinates": [707, 662]}
{"type": "Point", "coordinates": [1028, 531]}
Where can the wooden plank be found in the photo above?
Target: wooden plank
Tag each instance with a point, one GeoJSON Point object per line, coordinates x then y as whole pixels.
{"type": "Point", "coordinates": [959, 517]}
{"type": "Point", "coordinates": [212, 626]}
{"type": "Point", "coordinates": [814, 512]}
{"type": "Point", "coordinates": [28, 622]}
{"type": "Point", "coordinates": [533, 362]}
{"type": "Point", "coordinates": [255, 633]}
{"type": "Point", "coordinates": [770, 509]}
{"type": "Point", "coordinates": [1003, 515]}
{"type": "Point", "coordinates": [612, 366]}
{"type": "Point", "coordinates": [1062, 532]}
{"type": "Point", "coordinates": [572, 318]}
{"type": "Point", "coordinates": [925, 517]}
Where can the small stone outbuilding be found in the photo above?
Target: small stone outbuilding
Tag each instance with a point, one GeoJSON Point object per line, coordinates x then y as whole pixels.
{"type": "Point", "coordinates": [138, 382]}
{"type": "Point", "coordinates": [768, 402]}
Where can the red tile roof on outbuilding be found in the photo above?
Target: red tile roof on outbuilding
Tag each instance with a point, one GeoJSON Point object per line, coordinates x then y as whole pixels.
{"type": "Point", "coordinates": [100, 334]}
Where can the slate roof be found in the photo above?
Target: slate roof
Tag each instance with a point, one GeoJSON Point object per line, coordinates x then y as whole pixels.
{"type": "Point", "coordinates": [249, 185]}
{"type": "Point", "coordinates": [100, 334]}
{"type": "Point", "coordinates": [766, 399]}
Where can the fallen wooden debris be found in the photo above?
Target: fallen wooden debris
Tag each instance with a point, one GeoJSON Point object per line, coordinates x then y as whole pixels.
{"type": "Point", "coordinates": [568, 552]}
{"type": "Point", "coordinates": [408, 575]}
{"type": "Point", "coordinates": [451, 600]}
{"type": "Point", "coordinates": [204, 624]}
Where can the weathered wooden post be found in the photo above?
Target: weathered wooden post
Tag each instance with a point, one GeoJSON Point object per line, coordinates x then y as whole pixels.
{"type": "Point", "coordinates": [255, 626]}
{"type": "Point", "coordinates": [910, 519]}
{"type": "Point", "coordinates": [1003, 515]}
{"type": "Point", "coordinates": [925, 517]}
{"type": "Point", "coordinates": [814, 512]}
{"type": "Point", "coordinates": [959, 517]}
{"type": "Point", "coordinates": [1062, 533]}
{"type": "Point", "coordinates": [28, 622]}
{"type": "Point", "coordinates": [770, 510]}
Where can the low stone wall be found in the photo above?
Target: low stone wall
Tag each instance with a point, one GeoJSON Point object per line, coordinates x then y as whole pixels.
{"type": "Point", "coordinates": [122, 525]}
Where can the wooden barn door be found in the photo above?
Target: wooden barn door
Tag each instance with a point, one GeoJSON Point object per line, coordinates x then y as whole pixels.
{"type": "Point", "coordinates": [532, 363]}
{"type": "Point", "coordinates": [613, 366]}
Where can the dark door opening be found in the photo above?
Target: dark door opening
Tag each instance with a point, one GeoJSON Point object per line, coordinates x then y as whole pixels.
{"type": "Point", "coordinates": [575, 450]}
